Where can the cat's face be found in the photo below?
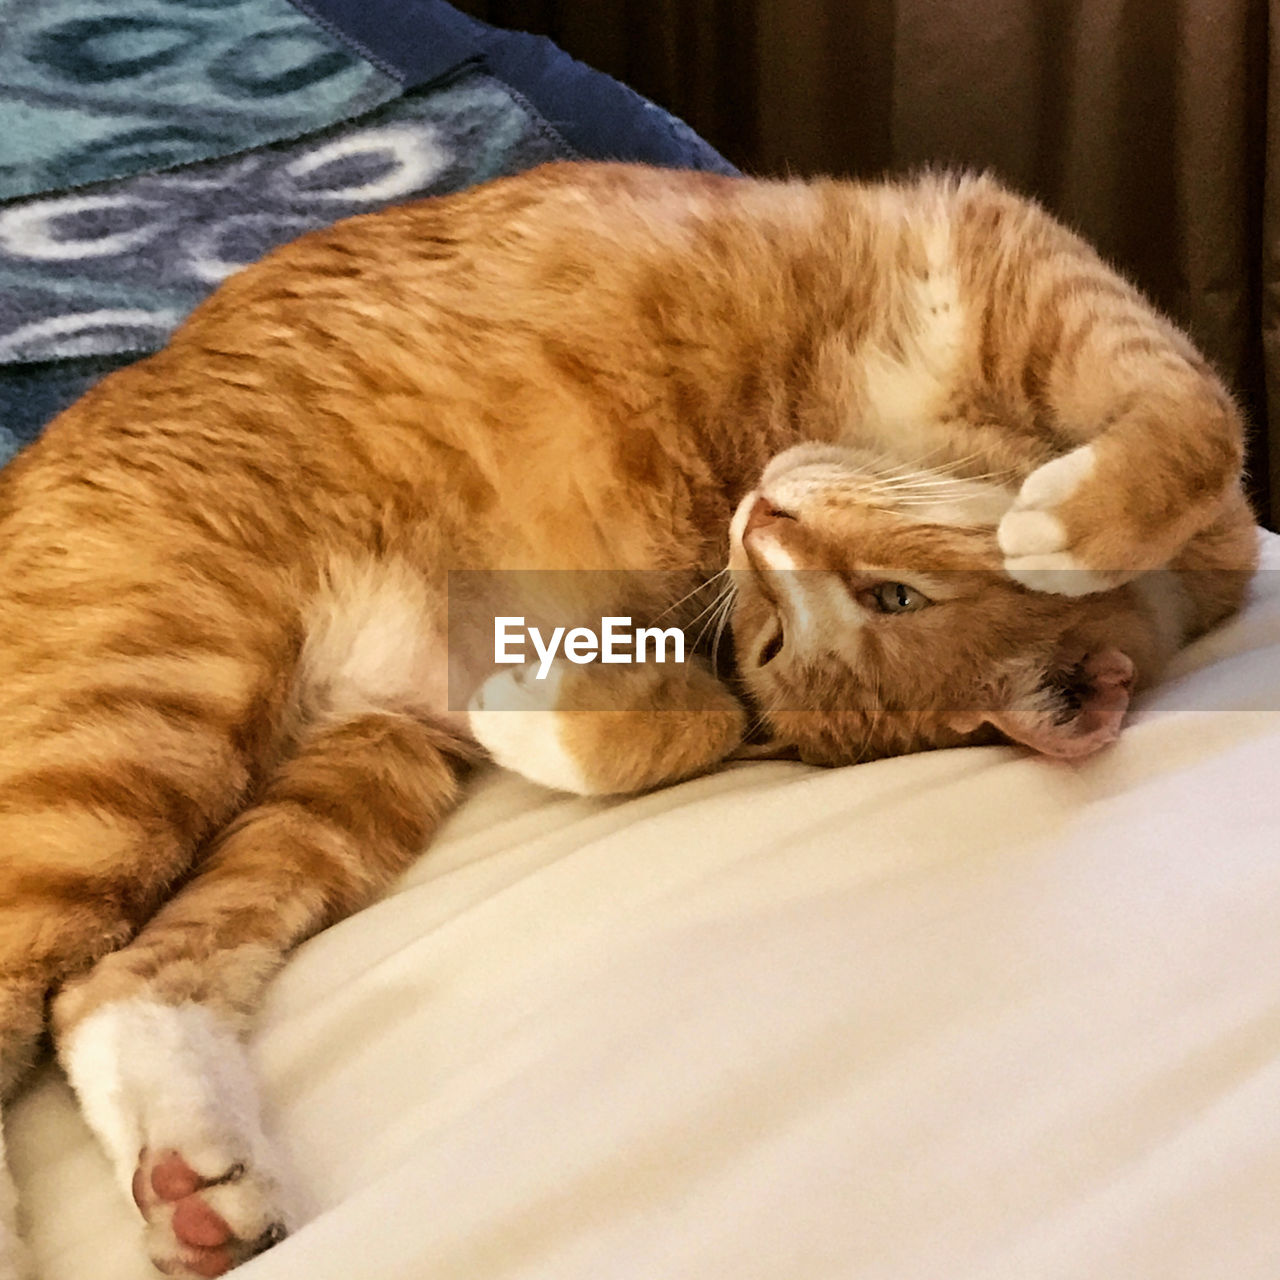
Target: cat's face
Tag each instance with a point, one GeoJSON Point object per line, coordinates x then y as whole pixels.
{"type": "Point", "coordinates": [873, 618]}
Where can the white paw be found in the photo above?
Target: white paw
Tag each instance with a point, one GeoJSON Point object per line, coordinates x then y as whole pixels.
{"type": "Point", "coordinates": [1057, 480]}
{"type": "Point", "coordinates": [1034, 539]}
{"type": "Point", "coordinates": [1057, 573]}
{"type": "Point", "coordinates": [517, 688]}
{"type": "Point", "coordinates": [205, 1214]}
{"type": "Point", "coordinates": [1031, 533]}
{"type": "Point", "coordinates": [512, 717]}
{"type": "Point", "coordinates": [169, 1091]}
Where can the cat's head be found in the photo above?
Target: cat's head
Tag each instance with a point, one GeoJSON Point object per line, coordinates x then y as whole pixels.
{"type": "Point", "coordinates": [873, 618]}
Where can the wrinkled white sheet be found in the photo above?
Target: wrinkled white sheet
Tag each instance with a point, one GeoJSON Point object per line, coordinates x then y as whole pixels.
{"type": "Point", "coordinates": [960, 1016]}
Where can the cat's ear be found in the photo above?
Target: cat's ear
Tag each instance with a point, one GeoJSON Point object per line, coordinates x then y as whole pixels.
{"type": "Point", "coordinates": [1067, 708]}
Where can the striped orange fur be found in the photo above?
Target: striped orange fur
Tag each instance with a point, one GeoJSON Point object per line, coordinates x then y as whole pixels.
{"type": "Point", "coordinates": [223, 573]}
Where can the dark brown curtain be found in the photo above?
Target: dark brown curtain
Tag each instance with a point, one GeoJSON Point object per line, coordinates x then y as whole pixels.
{"type": "Point", "coordinates": [1152, 126]}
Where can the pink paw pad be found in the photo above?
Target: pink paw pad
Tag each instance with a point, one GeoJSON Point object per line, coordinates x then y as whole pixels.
{"type": "Point", "coordinates": [187, 1236]}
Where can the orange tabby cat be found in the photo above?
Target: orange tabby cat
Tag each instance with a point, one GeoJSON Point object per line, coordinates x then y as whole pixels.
{"type": "Point", "coordinates": [969, 486]}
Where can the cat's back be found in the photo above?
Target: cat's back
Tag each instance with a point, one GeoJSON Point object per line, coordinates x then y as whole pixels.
{"type": "Point", "coordinates": [477, 348]}
{"type": "Point", "coordinates": [522, 312]}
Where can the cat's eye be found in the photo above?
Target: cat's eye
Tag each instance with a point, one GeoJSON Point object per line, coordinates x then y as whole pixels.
{"type": "Point", "coordinates": [896, 597]}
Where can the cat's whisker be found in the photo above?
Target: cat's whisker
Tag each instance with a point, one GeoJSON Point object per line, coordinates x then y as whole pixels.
{"type": "Point", "coordinates": [715, 577]}
{"type": "Point", "coordinates": [923, 467]}
{"type": "Point", "coordinates": [702, 613]}
{"type": "Point", "coordinates": [949, 473]}
{"type": "Point", "coordinates": [714, 612]}
{"type": "Point", "coordinates": [764, 712]}
{"type": "Point", "coordinates": [919, 498]}
{"type": "Point", "coordinates": [715, 622]}
{"type": "Point", "coordinates": [709, 614]}
{"type": "Point", "coordinates": [952, 466]}
{"type": "Point", "coordinates": [905, 487]}
{"type": "Point", "coordinates": [929, 485]}
{"type": "Point", "coordinates": [870, 734]}
{"type": "Point", "coordinates": [725, 614]}
{"type": "Point", "coordinates": [929, 499]}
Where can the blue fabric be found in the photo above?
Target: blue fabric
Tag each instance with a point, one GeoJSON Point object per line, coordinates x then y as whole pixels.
{"type": "Point", "coordinates": [597, 117]}
{"type": "Point", "coordinates": [95, 276]}
{"type": "Point", "coordinates": [114, 268]}
{"type": "Point", "coordinates": [419, 42]}
{"type": "Point", "coordinates": [32, 394]}
{"type": "Point", "coordinates": [90, 91]}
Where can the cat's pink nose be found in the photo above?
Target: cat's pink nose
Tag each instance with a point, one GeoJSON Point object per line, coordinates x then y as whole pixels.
{"type": "Point", "coordinates": [763, 513]}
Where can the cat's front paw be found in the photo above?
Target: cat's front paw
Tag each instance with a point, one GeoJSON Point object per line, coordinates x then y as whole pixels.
{"type": "Point", "coordinates": [513, 717]}
{"type": "Point", "coordinates": [205, 1213]}
{"type": "Point", "coordinates": [612, 730]}
{"type": "Point", "coordinates": [1049, 536]}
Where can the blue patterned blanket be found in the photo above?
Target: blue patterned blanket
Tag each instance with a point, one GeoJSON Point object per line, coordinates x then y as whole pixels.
{"type": "Point", "coordinates": [149, 148]}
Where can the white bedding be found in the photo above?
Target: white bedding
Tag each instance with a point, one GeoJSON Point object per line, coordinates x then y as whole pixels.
{"type": "Point", "coordinates": [955, 1016]}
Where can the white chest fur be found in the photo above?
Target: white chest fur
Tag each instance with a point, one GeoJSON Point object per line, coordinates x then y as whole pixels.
{"type": "Point", "coordinates": [909, 369]}
{"type": "Point", "coordinates": [376, 641]}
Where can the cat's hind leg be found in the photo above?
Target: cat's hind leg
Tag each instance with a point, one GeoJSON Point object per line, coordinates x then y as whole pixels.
{"type": "Point", "coordinates": [151, 1037]}
{"type": "Point", "coordinates": [117, 758]}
